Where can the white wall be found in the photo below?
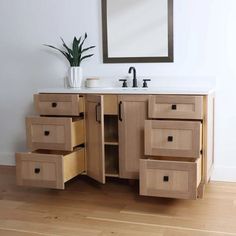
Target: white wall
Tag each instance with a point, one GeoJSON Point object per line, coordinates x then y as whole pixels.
{"type": "Point", "coordinates": [204, 49]}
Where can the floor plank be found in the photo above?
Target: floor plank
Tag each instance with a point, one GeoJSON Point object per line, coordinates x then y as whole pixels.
{"type": "Point", "coordinates": [88, 208]}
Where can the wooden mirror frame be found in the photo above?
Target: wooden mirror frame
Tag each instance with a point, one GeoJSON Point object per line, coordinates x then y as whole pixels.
{"type": "Point", "coordinates": [169, 58]}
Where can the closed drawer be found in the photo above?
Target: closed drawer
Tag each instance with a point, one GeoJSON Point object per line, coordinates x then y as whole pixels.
{"type": "Point", "coordinates": [173, 138]}
{"type": "Point", "coordinates": [175, 107]}
{"type": "Point", "coordinates": [49, 169]}
{"type": "Point", "coordinates": [59, 104]}
{"type": "Point", "coordinates": [54, 133]}
{"type": "Point", "coordinates": [170, 179]}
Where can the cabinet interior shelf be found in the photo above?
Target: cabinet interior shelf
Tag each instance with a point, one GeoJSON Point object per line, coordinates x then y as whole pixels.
{"type": "Point", "coordinates": [112, 175]}
{"type": "Point", "coordinates": [111, 130]}
{"type": "Point", "coordinates": [111, 161]}
{"type": "Point", "coordinates": [111, 143]}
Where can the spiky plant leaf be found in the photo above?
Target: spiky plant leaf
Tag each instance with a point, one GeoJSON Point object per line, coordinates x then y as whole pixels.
{"type": "Point", "coordinates": [74, 54]}
{"type": "Point", "coordinates": [66, 47]}
{"type": "Point", "coordinates": [67, 55]}
{"type": "Point", "coordinates": [75, 51]}
{"type": "Point", "coordinates": [87, 56]}
{"type": "Point", "coordinates": [86, 49]}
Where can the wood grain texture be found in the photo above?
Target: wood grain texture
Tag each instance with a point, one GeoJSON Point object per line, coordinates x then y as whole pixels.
{"type": "Point", "coordinates": [170, 178]}
{"type": "Point", "coordinates": [208, 136]}
{"type": "Point", "coordinates": [95, 153]}
{"type": "Point", "coordinates": [59, 104]}
{"type": "Point", "coordinates": [89, 209]}
{"type": "Point", "coordinates": [131, 134]}
{"type": "Point", "coordinates": [53, 169]}
{"type": "Point", "coordinates": [110, 104]}
{"type": "Point", "coordinates": [185, 138]}
{"type": "Point", "coordinates": [187, 107]}
{"type": "Point", "coordinates": [63, 133]}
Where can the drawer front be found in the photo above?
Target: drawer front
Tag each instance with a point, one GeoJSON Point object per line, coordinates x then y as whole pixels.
{"type": "Point", "coordinates": [175, 107]}
{"type": "Point", "coordinates": [170, 179]}
{"type": "Point", "coordinates": [48, 170]}
{"type": "Point", "coordinates": [59, 104]}
{"type": "Point", "coordinates": [173, 138]}
{"type": "Point", "coordinates": [54, 133]}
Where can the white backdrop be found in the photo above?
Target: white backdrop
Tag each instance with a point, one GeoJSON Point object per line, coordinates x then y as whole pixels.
{"type": "Point", "coordinates": [205, 37]}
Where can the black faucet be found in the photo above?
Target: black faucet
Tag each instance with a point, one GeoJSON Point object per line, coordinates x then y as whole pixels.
{"type": "Point", "coordinates": [135, 82]}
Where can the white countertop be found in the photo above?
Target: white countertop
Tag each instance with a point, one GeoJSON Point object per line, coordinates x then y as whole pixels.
{"type": "Point", "coordinates": [117, 90]}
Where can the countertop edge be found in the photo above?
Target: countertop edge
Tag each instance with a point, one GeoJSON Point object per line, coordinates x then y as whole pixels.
{"type": "Point", "coordinates": [170, 91]}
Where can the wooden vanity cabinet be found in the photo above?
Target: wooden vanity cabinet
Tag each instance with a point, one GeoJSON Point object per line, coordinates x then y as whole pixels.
{"type": "Point", "coordinates": [133, 111]}
{"type": "Point", "coordinates": [94, 116]}
{"type": "Point", "coordinates": [178, 146]}
{"type": "Point", "coordinates": [56, 139]}
{"type": "Point", "coordinates": [165, 141]}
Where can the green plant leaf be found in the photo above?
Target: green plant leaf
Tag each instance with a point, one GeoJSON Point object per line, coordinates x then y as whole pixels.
{"type": "Point", "coordinates": [76, 52]}
{"type": "Point", "coordinates": [86, 49]}
{"type": "Point", "coordinates": [66, 47]}
{"type": "Point", "coordinates": [87, 56]}
{"type": "Point", "coordinates": [67, 55]}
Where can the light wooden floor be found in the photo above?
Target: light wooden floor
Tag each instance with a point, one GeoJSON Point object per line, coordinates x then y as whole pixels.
{"type": "Point", "coordinates": [86, 208]}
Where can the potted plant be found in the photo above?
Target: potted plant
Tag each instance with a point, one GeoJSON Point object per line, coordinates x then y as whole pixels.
{"type": "Point", "coordinates": [75, 56]}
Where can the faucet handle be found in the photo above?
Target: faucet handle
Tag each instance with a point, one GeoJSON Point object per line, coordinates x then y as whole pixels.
{"type": "Point", "coordinates": [124, 85]}
{"type": "Point", "coordinates": [145, 83]}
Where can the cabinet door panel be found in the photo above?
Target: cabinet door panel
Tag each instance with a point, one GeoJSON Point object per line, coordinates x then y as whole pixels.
{"type": "Point", "coordinates": [95, 138]}
{"type": "Point", "coordinates": [133, 112]}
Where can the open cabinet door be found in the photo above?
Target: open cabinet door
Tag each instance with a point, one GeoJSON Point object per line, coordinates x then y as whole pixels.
{"type": "Point", "coordinates": [95, 138]}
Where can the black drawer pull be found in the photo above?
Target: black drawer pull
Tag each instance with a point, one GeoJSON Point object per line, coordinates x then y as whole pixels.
{"type": "Point", "coordinates": [170, 139]}
{"type": "Point", "coordinates": [174, 107]}
{"type": "Point", "coordinates": [37, 170]}
{"type": "Point", "coordinates": [120, 107]}
{"type": "Point", "coordinates": [46, 133]}
{"type": "Point", "coordinates": [54, 104]}
{"type": "Point", "coordinates": [98, 112]}
{"type": "Point", "coordinates": [166, 178]}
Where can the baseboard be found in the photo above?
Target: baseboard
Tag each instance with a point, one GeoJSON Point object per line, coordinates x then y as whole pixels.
{"type": "Point", "coordinates": [7, 159]}
{"type": "Point", "coordinates": [224, 173]}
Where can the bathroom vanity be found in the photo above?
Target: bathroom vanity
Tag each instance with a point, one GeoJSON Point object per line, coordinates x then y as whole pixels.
{"type": "Point", "coordinates": [164, 138]}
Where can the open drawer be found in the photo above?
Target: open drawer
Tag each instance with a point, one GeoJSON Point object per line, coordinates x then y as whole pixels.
{"type": "Point", "coordinates": [54, 133]}
{"type": "Point", "coordinates": [173, 138]}
{"type": "Point", "coordinates": [48, 169]}
{"type": "Point", "coordinates": [59, 104]}
{"type": "Point", "coordinates": [169, 178]}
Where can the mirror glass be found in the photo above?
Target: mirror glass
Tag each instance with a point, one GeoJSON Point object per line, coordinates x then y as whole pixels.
{"type": "Point", "coordinates": [137, 31]}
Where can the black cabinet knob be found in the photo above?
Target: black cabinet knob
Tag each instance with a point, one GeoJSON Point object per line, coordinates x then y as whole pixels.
{"type": "Point", "coordinates": [37, 170]}
{"type": "Point", "coordinates": [165, 178]}
{"type": "Point", "coordinates": [54, 104]}
{"type": "Point", "coordinates": [46, 133]}
{"type": "Point", "coordinates": [170, 138]}
{"type": "Point", "coordinates": [174, 107]}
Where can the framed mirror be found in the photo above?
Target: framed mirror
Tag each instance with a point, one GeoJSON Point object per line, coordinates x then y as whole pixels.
{"type": "Point", "coordinates": [137, 31]}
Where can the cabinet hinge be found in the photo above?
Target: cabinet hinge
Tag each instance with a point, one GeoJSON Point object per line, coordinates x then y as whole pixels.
{"type": "Point", "coordinates": [201, 152]}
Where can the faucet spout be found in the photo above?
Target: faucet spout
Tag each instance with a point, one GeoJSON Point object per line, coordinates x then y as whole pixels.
{"type": "Point", "coordinates": [135, 82]}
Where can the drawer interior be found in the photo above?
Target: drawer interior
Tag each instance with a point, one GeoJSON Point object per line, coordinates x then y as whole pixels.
{"type": "Point", "coordinates": [54, 133]}
{"type": "Point", "coordinates": [49, 169]}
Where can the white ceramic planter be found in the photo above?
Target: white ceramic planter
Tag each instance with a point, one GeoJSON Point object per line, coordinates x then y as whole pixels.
{"type": "Point", "coordinates": [75, 77]}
